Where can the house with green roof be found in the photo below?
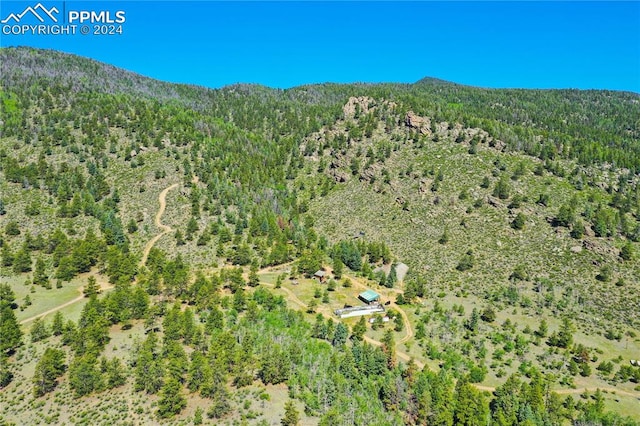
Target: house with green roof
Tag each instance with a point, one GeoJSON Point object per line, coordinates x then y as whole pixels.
{"type": "Point", "coordinates": [369, 297]}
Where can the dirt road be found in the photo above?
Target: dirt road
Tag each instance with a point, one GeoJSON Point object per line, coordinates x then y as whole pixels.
{"type": "Point", "coordinates": [162, 198]}
{"type": "Point", "coordinates": [104, 285]}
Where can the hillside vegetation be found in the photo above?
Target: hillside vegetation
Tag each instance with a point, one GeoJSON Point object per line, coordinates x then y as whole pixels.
{"type": "Point", "coordinates": [158, 242]}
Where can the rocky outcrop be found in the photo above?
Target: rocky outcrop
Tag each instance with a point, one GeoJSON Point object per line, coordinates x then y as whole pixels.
{"type": "Point", "coordinates": [360, 104]}
{"type": "Point", "coordinates": [364, 105]}
{"type": "Point", "coordinates": [414, 121]}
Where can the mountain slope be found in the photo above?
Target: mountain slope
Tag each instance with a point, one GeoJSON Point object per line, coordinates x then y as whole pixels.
{"type": "Point", "coordinates": [510, 207]}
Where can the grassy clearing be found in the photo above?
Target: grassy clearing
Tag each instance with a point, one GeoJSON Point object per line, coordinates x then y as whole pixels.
{"type": "Point", "coordinates": [42, 299]}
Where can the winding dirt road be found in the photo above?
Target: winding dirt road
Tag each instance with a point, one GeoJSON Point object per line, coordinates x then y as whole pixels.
{"type": "Point", "coordinates": [162, 199]}
{"type": "Point", "coordinates": [407, 324]}
{"type": "Point", "coordinates": [409, 334]}
{"type": "Point", "coordinates": [104, 285]}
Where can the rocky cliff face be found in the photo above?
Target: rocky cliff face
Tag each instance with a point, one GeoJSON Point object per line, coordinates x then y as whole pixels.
{"type": "Point", "coordinates": [422, 124]}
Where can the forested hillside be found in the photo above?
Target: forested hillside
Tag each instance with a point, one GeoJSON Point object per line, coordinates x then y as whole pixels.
{"type": "Point", "coordinates": [158, 245]}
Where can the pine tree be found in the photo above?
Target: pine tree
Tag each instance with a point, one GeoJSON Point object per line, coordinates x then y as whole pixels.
{"type": "Point", "coordinates": [627, 252]}
{"type": "Point", "coordinates": [197, 417]}
{"type": "Point", "coordinates": [66, 271]}
{"type": "Point", "coordinates": [179, 238]}
{"type": "Point", "coordinates": [40, 276]}
{"type": "Point", "coordinates": [84, 376]}
{"type": "Point", "coordinates": [338, 268]}
{"type": "Point", "coordinates": [543, 329]}
{"type": "Point", "coordinates": [320, 328]}
{"type": "Point", "coordinates": [254, 280]}
{"type": "Point", "coordinates": [474, 319]}
{"type": "Point", "coordinates": [9, 327]}
{"type": "Point", "coordinates": [7, 254]}
{"type": "Point", "coordinates": [519, 222]}
{"type": "Point", "coordinates": [488, 314]}
{"type": "Point", "coordinates": [22, 261]}
{"type": "Point", "coordinates": [359, 329]}
{"type": "Point", "coordinates": [502, 188]}
{"type": "Point", "coordinates": [39, 330]}
{"type": "Point", "coordinates": [149, 371]}
{"type": "Point", "coordinates": [116, 375]}
{"type": "Point", "coordinates": [340, 335]}
{"type": "Point", "coordinates": [391, 278]}
{"type": "Point", "coordinates": [198, 371]}
{"type": "Point", "coordinates": [57, 325]}
{"type": "Point", "coordinates": [48, 369]}
{"type": "Point", "coordinates": [389, 348]}
{"type": "Point", "coordinates": [398, 323]}
{"type": "Point", "coordinates": [291, 415]}
{"type": "Point", "coordinates": [565, 217]}
{"type": "Point", "coordinates": [132, 226]}
{"type": "Point", "coordinates": [171, 400]}
{"type": "Point", "coordinates": [91, 289]}
{"type": "Point", "coordinates": [444, 238]}
{"type": "Point", "coordinates": [471, 405]}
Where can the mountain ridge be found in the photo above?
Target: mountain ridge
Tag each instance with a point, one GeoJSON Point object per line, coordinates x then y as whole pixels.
{"type": "Point", "coordinates": [517, 213]}
{"type": "Point", "coordinates": [15, 52]}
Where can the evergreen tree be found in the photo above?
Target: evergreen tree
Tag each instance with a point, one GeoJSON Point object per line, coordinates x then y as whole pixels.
{"type": "Point", "coordinates": [149, 370]}
{"type": "Point", "coordinates": [22, 261]}
{"type": "Point", "coordinates": [502, 188]}
{"type": "Point", "coordinates": [9, 327]}
{"type": "Point", "coordinates": [57, 325]}
{"type": "Point", "coordinates": [291, 416]}
{"type": "Point", "coordinates": [444, 238]}
{"type": "Point", "coordinates": [7, 254]}
{"type": "Point", "coordinates": [12, 229]}
{"type": "Point", "coordinates": [213, 388]}
{"type": "Point", "coordinates": [488, 314]}
{"type": "Point", "coordinates": [115, 374]}
{"type": "Point", "coordinates": [391, 278]}
{"type": "Point", "coordinates": [519, 222]}
{"type": "Point", "coordinates": [132, 226]}
{"type": "Point", "coordinates": [40, 276]}
{"type": "Point", "coordinates": [398, 323]}
{"type": "Point", "coordinates": [320, 328]}
{"type": "Point", "coordinates": [565, 217]}
{"type": "Point", "coordinates": [627, 251]}
{"type": "Point", "coordinates": [199, 371]}
{"type": "Point", "coordinates": [359, 329]}
{"type": "Point", "coordinates": [39, 330]}
{"type": "Point", "coordinates": [338, 268]}
{"type": "Point", "coordinates": [563, 338]}
{"type": "Point", "coordinates": [466, 262]}
{"type": "Point", "coordinates": [171, 400]}
{"type": "Point", "coordinates": [471, 405]}
{"type": "Point", "coordinates": [91, 289]}
{"type": "Point", "coordinates": [66, 271]}
{"type": "Point", "coordinates": [197, 417]}
{"type": "Point", "coordinates": [474, 319]}
{"type": "Point", "coordinates": [84, 376]}
{"type": "Point", "coordinates": [389, 348]}
{"type": "Point", "coordinates": [5, 371]}
{"type": "Point", "coordinates": [543, 329]}
{"type": "Point", "coordinates": [48, 369]}
{"type": "Point", "coordinates": [340, 335]}
{"type": "Point", "coordinates": [254, 280]}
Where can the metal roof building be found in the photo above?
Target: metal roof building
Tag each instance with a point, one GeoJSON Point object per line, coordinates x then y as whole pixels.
{"type": "Point", "coordinates": [369, 296]}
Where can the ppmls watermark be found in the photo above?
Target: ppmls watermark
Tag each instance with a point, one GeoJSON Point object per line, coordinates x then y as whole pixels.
{"type": "Point", "coordinates": [42, 20]}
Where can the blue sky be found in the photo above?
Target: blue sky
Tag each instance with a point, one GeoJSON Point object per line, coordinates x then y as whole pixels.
{"type": "Point", "coordinates": [284, 44]}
